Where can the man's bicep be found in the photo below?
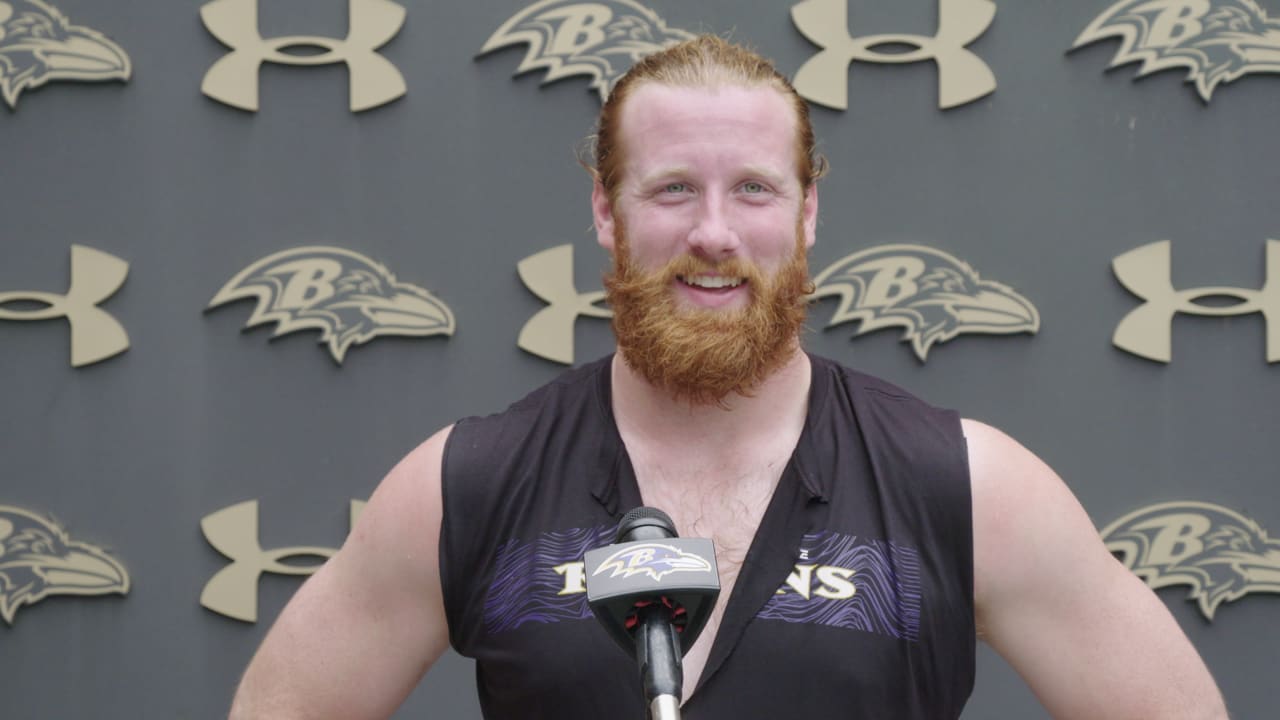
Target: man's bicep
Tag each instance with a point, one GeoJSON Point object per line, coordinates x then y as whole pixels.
{"type": "Point", "coordinates": [358, 635]}
{"type": "Point", "coordinates": [1088, 636]}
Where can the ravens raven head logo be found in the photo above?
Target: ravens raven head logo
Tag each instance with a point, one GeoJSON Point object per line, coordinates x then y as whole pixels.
{"type": "Point", "coordinates": [37, 559]}
{"type": "Point", "coordinates": [1220, 554]}
{"type": "Point", "coordinates": [931, 294]}
{"type": "Point", "coordinates": [1217, 41]}
{"type": "Point", "coordinates": [38, 44]}
{"type": "Point", "coordinates": [655, 560]}
{"type": "Point", "coordinates": [349, 298]}
{"type": "Point", "coordinates": [602, 39]}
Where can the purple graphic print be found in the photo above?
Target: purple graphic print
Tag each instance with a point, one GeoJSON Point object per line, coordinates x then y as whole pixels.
{"type": "Point", "coordinates": [525, 586]}
{"type": "Point", "coordinates": [887, 581]}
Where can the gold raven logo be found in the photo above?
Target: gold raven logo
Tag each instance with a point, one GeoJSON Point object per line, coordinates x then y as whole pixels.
{"type": "Point", "coordinates": [1218, 552]}
{"type": "Point", "coordinates": [1217, 41]}
{"type": "Point", "coordinates": [931, 294]}
{"type": "Point", "coordinates": [37, 559]}
{"type": "Point", "coordinates": [348, 297]}
{"type": "Point", "coordinates": [38, 44]}
{"type": "Point", "coordinates": [602, 39]}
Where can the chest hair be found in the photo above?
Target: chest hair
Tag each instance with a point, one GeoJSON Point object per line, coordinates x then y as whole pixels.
{"type": "Point", "coordinates": [722, 502]}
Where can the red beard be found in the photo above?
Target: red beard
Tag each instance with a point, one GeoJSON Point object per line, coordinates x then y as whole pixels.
{"type": "Point", "coordinates": [703, 355]}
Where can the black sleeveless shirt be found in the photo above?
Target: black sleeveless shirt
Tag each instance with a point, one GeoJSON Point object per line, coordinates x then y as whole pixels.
{"type": "Point", "coordinates": [855, 599]}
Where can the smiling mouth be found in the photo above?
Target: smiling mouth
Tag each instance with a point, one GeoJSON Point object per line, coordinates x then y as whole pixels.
{"type": "Point", "coordinates": [711, 282]}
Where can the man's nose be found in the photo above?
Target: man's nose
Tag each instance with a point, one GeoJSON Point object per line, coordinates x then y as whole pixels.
{"type": "Point", "coordinates": [713, 234]}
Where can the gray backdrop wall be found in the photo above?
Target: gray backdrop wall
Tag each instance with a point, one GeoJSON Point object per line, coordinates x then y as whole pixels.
{"type": "Point", "coordinates": [1038, 186]}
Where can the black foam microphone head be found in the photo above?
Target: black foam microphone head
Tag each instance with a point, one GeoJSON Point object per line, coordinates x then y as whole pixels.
{"type": "Point", "coordinates": [645, 523]}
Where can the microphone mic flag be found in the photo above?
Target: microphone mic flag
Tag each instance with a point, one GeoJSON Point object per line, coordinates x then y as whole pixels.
{"type": "Point", "coordinates": [653, 591]}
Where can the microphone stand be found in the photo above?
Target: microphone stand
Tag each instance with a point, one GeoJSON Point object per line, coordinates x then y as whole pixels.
{"type": "Point", "coordinates": [653, 591]}
{"type": "Point", "coordinates": [658, 652]}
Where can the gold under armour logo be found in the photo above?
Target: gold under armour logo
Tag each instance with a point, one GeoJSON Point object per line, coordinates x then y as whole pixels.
{"type": "Point", "coordinates": [95, 276]}
{"type": "Point", "coordinates": [549, 333]}
{"type": "Point", "coordinates": [962, 76]}
{"type": "Point", "coordinates": [234, 78]}
{"type": "Point", "coordinates": [233, 531]}
{"type": "Point", "coordinates": [1147, 331]}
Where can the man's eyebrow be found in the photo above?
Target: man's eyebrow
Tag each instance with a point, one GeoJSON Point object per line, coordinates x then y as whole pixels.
{"type": "Point", "coordinates": [760, 171]}
{"type": "Point", "coordinates": [763, 172]}
{"type": "Point", "coordinates": [662, 174]}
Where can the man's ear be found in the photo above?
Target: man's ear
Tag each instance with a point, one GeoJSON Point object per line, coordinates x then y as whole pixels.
{"type": "Point", "coordinates": [602, 212]}
{"type": "Point", "coordinates": [809, 214]}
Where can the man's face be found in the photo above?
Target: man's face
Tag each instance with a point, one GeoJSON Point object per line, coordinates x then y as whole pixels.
{"type": "Point", "coordinates": [709, 173]}
{"type": "Point", "coordinates": [709, 232]}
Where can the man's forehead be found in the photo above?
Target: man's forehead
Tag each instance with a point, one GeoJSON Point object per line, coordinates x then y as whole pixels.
{"type": "Point", "coordinates": [647, 93]}
{"type": "Point", "coordinates": [671, 109]}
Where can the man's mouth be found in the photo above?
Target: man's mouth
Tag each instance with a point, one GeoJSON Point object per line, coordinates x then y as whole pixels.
{"type": "Point", "coordinates": [711, 282]}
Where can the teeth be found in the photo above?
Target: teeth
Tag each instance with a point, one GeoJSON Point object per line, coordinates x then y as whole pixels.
{"type": "Point", "coordinates": [712, 281]}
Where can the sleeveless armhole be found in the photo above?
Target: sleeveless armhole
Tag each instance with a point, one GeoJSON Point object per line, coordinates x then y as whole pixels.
{"type": "Point", "coordinates": [921, 452]}
{"type": "Point", "coordinates": [478, 493]}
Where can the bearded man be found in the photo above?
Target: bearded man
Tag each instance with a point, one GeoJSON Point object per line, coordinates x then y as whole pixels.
{"type": "Point", "coordinates": [864, 539]}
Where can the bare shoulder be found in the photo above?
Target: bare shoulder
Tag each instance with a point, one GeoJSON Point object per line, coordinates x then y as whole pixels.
{"type": "Point", "coordinates": [406, 505]}
{"type": "Point", "coordinates": [1005, 475]}
{"type": "Point", "coordinates": [1017, 501]}
{"type": "Point", "coordinates": [358, 635]}
{"type": "Point", "coordinates": [1087, 635]}
{"type": "Point", "coordinates": [393, 549]}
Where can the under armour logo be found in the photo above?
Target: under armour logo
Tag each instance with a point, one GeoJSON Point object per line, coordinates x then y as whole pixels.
{"type": "Point", "coordinates": [962, 76]}
{"type": "Point", "coordinates": [233, 531]}
{"type": "Point", "coordinates": [549, 333]}
{"type": "Point", "coordinates": [233, 79]}
{"type": "Point", "coordinates": [95, 276]}
{"type": "Point", "coordinates": [1148, 330]}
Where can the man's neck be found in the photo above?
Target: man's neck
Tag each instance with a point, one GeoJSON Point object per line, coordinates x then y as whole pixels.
{"type": "Point", "coordinates": [653, 416]}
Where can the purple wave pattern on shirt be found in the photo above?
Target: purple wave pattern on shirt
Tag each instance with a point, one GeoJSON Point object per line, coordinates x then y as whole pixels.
{"type": "Point", "coordinates": [887, 581]}
{"type": "Point", "coordinates": [525, 586]}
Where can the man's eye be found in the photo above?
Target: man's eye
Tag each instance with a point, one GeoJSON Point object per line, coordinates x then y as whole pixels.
{"type": "Point", "coordinates": [675, 188]}
{"type": "Point", "coordinates": [753, 187]}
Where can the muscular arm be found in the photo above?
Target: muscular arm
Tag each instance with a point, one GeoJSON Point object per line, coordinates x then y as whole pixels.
{"type": "Point", "coordinates": [1091, 640]}
{"type": "Point", "coordinates": [359, 634]}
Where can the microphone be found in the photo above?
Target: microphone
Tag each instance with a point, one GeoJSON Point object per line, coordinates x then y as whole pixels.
{"type": "Point", "coordinates": [653, 592]}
